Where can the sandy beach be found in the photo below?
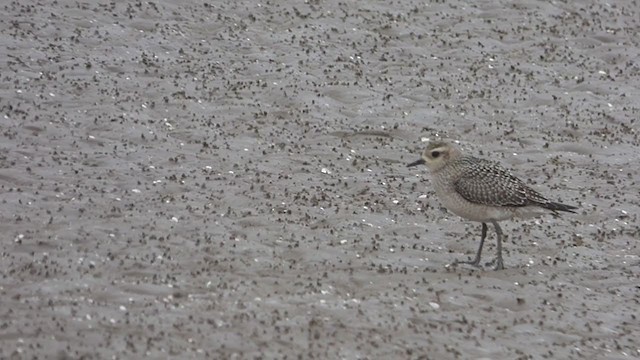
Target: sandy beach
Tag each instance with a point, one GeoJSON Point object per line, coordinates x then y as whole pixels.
{"type": "Point", "coordinates": [229, 181]}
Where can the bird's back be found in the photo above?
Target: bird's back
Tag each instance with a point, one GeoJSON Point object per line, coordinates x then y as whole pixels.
{"type": "Point", "coordinates": [487, 183]}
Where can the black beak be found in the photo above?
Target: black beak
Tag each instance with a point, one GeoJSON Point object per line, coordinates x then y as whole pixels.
{"type": "Point", "coordinates": [415, 163]}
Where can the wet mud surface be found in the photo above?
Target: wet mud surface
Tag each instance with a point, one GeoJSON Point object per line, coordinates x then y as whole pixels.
{"type": "Point", "coordinates": [217, 180]}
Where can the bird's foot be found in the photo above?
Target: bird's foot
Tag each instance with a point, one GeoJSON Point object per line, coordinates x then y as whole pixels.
{"type": "Point", "coordinates": [499, 264]}
{"type": "Point", "coordinates": [475, 262]}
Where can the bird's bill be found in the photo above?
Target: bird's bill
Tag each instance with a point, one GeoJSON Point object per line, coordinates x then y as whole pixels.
{"type": "Point", "coordinates": [416, 163]}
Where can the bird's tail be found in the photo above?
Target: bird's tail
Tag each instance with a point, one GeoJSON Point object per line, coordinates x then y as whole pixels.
{"type": "Point", "coordinates": [555, 207]}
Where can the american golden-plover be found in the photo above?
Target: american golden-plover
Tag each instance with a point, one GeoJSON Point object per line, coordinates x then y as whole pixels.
{"type": "Point", "coordinates": [482, 190]}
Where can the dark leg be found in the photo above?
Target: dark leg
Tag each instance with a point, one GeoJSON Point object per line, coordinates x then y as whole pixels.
{"type": "Point", "coordinates": [499, 264]}
{"type": "Point", "coordinates": [476, 261]}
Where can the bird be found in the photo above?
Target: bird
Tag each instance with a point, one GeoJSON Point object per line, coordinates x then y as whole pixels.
{"type": "Point", "coordinates": [483, 191]}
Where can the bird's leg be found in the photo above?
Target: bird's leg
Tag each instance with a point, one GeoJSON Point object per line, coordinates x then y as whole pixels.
{"type": "Point", "coordinates": [499, 263]}
{"type": "Point", "coordinates": [476, 261]}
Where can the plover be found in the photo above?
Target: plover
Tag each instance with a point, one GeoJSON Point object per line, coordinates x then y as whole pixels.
{"type": "Point", "coordinates": [482, 190]}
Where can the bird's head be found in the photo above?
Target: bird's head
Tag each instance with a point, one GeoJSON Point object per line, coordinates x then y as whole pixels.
{"type": "Point", "coordinates": [437, 155]}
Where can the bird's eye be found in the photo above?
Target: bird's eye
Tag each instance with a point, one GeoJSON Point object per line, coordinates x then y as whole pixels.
{"type": "Point", "coordinates": [435, 154]}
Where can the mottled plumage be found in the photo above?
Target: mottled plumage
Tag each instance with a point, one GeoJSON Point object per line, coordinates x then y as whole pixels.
{"type": "Point", "coordinates": [482, 190]}
{"type": "Point", "coordinates": [485, 182]}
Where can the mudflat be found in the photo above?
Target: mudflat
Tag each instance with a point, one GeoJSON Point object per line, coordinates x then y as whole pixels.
{"type": "Point", "coordinates": [227, 180]}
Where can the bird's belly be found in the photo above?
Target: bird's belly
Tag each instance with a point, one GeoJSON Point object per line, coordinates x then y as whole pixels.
{"type": "Point", "coordinates": [474, 212]}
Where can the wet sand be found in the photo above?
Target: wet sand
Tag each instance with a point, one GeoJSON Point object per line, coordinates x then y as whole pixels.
{"type": "Point", "coordinates": [228, 181]}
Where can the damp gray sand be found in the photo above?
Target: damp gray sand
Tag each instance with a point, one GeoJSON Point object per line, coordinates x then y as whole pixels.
{"type": "Point", "coordinates": [228, 180]}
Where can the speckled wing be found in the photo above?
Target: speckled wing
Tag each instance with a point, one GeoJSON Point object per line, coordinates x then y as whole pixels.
{"type": "Point", "coordinates": [487, 183]}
